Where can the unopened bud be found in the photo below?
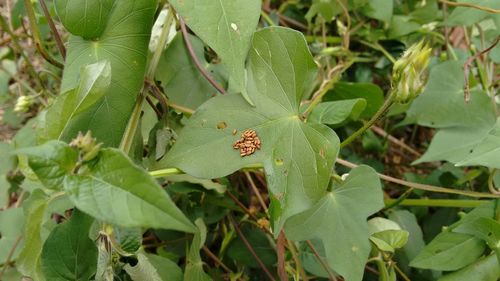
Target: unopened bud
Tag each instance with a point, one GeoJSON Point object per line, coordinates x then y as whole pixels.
{"type": "Point", "coordinates": [88, 146]}
{"type": "Point", "coordinates": [409, 73]}
{"type": "Point", "coordinates": [24, 103]}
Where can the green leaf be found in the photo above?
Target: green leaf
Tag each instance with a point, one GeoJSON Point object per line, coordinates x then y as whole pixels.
{"type": "Point", "coordinates": [468, 16]}
{"type": "Point", "coordinates": [179, 77]}
{"type": "Point", "coordinates": [402, 25]}
{"type": "Point", "coordinates": [339, 220]}
{"type": "Point", "coordinates": [194, 264]}
{"type": "Point", "coordinates": [94, 80]}
{"type": "Point", "coordinates": [128, 239]}
{"type": "Point", "coordinates": [483, 228]}
{"type": "Point", "coordinates": [117, 191]}
{"type": "Point", "coordinates": [449, 251]}
{"type": "Point", "coordinates": [68, 253]}
{"type": "Point", "coordinates": [371, 93]}
{"type": "Point", "coordinates": [227, 27]}
{"type": "Point", "coordinates": [395, 239]}
{"type": "Point", "coordinates": [28, 262]}
{"type": "Point", "coordinates": [486, 152]}
{"type": "Point", "coordinates": [336, 112]}
{"type": "Point", "coordinates": [143, 270]}
{"type": "Point", "coordinates": [408, 222]}
{"type": "Point", "coordinates": [86, 18]}
{"type": "Point", "coordinates": [51, 162]}
{"type": "Point", "coordinates": [124, 43]}
{"type": "Point", "coordinates": [208, 184]}
{"type": "Point", "coordinates": [485, 269]}
{"type": "Point", "coordinates": [11, 226]}
{"type": "Point", "coordinates": [298, 157]}
{"type": "Point", "coordinates": [461, 125]}
{"type": "Point", "coordinates": [240, 255]}
{"type": "Point", "coordinates": [166, 269]}
{"type": "Point", "coordinates": [378, 224]}
{"type": "Point", "coordinates": [379, 9]}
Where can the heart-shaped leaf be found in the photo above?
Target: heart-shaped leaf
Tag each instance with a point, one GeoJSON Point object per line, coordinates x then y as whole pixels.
{"type": "Point", "coordinates": [227, 27]}
{"type": "Point", "coordinates": [339, 220]}
{"type": "Point", "coordinates": [124, 43]}
{"type": "Point", "coordinates": [298, 157]}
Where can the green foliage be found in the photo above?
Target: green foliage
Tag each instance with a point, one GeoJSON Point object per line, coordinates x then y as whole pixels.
{"type": "Point", "coordinates": [280, 69]}
{"type": "Point", "coordinates": [176, 186]}
{"type": "Point", "coordinates": [68, 253]}
{"type": "Point", "coordinates": [342, 233]}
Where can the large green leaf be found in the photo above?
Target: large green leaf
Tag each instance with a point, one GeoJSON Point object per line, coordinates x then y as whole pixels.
{"type": "Point", "coordinates": [227, 27]}
{"type": "Point", "coordinates": [461, 125]}
{"type": "Point", "coordinates": [339, 220]}
{"type": "Point", "coordinates": [298, 157]}
{"type": "Point", "coordinates": [449, 251]}
{"type": "Point", "coordinates": [117, 191]}
{"type": "Point", "coordinates": [483, 228]}
{"type": "Point", "coordinates": [86, 18]}
{"type": "Point", "coordinates": [124, 43]}
{"type": "Point", "coordinates": [68, 253]}
{"type": "Point", "coordinates": [485, 269]}
{"type": "Point", "coordinates": [93, 83]}
{"type": "Point", "coordinates": [51, 162]}
{"type": "Point", "coordinates": [179, 77]}
{"type": "Point", "coordinates": [371, 93]}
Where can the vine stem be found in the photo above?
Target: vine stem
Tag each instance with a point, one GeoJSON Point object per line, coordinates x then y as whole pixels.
{"type": "Point", "coordinates": [55, 33]}
{"type": "Point", "coordinates": [135, 117]}
{"type": "Point", "coordinates": [37, 38]}
{"type": "Point", "coordinates": [195, 59]}
{"type": "Point", "coordinates": [425, 187]}
{"type": "Point", "coordinates": [382, 110]}
{"type": "Point", "coordinates": [250, 248]}
{"type": "Point", "coordinates": [451, 203]}
{"type": "Point", "coordinates": [469, 5]}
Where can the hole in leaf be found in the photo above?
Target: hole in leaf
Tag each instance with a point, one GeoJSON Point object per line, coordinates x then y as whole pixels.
{"type": "Point", "coordinates": [221, 125]}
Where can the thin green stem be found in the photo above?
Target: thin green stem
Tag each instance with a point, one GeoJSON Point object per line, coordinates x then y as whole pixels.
{"type": "Point", "coordinates": [267, 18]}
{"type": "Point", "coordinates": [378, 47]}
{"type": "Point", "coordinates": [450, 203]}
{"type": "Point", "coordinates": [135, 117]}
{"type": "Point", "coordinates": [382, 110]}
{"type": "Point", "coordinates": [174, 171]}
{"type": "Point", "coordinates": [333, 76]}
{"type": "Point", "coordinates": [327, 39]}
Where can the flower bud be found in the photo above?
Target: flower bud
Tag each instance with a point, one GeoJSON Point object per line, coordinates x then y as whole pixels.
{"type": "Point", "coordinates": [24, 103]}
{"type": "Point", "coordinates": [88, 146]}
{"type": "Point", "coordinates": [409, 73]}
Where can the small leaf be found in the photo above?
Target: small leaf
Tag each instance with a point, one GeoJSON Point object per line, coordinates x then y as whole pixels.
{"type": "Point", "coordinates": [408, 222]}
{"type": "Point", "coordinates": [227, 27]}
{"type": "Point", "coordinates": [194, 264]}
{"type": "Point", "coordinates": [394, 238]}
{"type": "Point", "coordinates": [336, 112]}
{"type": "Point", "coordinates": [68, 253]}
{"type": "Point", "coordinates": [86, 18]}
{"type": "Point", "coordinates": [371, 93]}
{"type": "Point", "coordinates": [449, 251]}
{"type": "Point", "coordinates": [339, 220]}
{"type": "Point", "coordinates": [117, 191]}
{"type": "Point", "coordinates": [167, 269]}
{"type": "Point", "coordinates": [143, 270]}
{"type": "Point", "coordinates": [51, 162]}
{"type": "Point", "coordinates": [129, 239]}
